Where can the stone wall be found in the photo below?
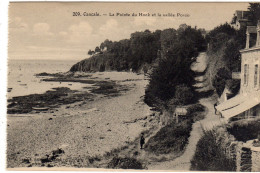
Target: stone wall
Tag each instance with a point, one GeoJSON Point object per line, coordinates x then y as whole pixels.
{"type": "Point", "coordinates": [255, 160]}
{"type": "Point", "coordinates": [247, 158]}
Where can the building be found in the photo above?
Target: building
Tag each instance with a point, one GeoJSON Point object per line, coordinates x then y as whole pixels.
{"type": "Point", "coordinates": [247, 103]}
{"type": "Point", "coordinates": [241, 19]}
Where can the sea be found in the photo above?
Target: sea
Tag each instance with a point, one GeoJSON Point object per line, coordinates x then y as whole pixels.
{"type": "Point", "coordinates": [22, 79]}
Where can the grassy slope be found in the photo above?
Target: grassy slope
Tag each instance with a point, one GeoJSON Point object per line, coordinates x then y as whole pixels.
{"type": "Point", "coordinates": [174, 137]}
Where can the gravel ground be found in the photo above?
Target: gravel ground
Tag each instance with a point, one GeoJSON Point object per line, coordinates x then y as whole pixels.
{"type": "Point", "coordinates": [82, 128]}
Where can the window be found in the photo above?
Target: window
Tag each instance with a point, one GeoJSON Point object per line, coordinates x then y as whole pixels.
{"type": "Point", "coordinates": [256, 75]}
{"type": "Point", "coordinates": [246, 73]}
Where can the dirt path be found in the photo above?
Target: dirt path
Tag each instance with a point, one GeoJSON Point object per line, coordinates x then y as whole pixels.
{"type": "Point", "coordinates": [183, 162]}
{"type": "Point", "coordinates": [211, 120]}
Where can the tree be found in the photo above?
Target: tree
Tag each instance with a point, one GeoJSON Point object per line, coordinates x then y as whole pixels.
{"type": "Point", "coordinates": [167, 38]}
{"type": "Point", "coordinates": [174, 68]}
{"type": "Point", "coordinates": [220, 79]}
{"type": "Point", "coordinates": [108, 44]}
{"type": "Point", "coordinates": [232, 56]}
{"type": "Point", "coordinates": [102, 46]}
{"type": "Point", "coordinates": [224, 28]}
{"type": "Point", "coordinates": [90, 52]}
{"type": "Point", "coordinates": [97, 50]}
{"type": "Point", "coordinates": [183, 95]}
{"type": "Point", "coordinates": [254, 9]}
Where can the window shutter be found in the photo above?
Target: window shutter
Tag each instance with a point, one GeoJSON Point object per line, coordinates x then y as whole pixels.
{"type": "Point", "coordinates": [245, 73]}
{"type": "Point", "coordinates": [256, 75]}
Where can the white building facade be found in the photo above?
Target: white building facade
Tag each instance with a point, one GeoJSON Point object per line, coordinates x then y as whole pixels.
{"type": "Point", "coordinates": [247, 103]}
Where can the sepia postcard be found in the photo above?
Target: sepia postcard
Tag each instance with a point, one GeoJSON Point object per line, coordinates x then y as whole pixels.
{"type": "Point", "coordinates": [133, 86]}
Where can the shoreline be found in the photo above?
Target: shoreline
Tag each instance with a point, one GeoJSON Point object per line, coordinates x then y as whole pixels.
{"type": "Point", "coordinates": [80, 129]}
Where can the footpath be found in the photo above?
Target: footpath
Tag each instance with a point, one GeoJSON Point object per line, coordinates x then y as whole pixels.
{"type": "Point", "coordinates": [211, 120]}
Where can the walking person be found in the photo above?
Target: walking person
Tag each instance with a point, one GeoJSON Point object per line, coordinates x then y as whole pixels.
{"type": "Point", "coordinates": [142, 141]}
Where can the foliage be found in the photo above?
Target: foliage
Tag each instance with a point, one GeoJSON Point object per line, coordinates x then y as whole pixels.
{"type": "Point", "coordinates": [209, 154]}
{"type": "Point", "coordinates": [233, 85]}
{"type": "Point", "coordinates": [223, 54]}
{"type": "Point", "coordinates": [232, 56]}
{"type": "Point", "coordinates": [196, 108]}
{"type": "Point", "coordinates": [183, 95]}
{"type": "Point", "coordinates": [124, 163]}
{"type": "Point", "coordinates": [219, 33]}
{"type": "Point", "coordinates": [220, 79]}
{"type": "Point", "coordinates": [90, 52]}
{"type": "Point", "coordinates": [174, 65]}
{"type": "Point", "coordinates": [254, 9]}
{"type": "Point", "coordinates": [167, 39]}
{"type": "Point", "coordinates": [245, 130]}
{"type": "Point", "coordinates": [171, 138]}
{"type": "Point", "coordinates": [224, 45]}
{"type": "Point", "coordinates": [97, 49]}
{"type": "Point", "coordinates": [123, 55]}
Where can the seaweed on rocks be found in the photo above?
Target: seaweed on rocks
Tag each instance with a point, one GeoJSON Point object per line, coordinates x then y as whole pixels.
{"type": "Point", "coordinates": [49, 100]}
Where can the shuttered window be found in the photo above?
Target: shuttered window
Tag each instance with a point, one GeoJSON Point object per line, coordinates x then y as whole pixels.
{"type": "Point", "coordinates": [256, 75]}
{"type": "Point", "coordinates": [245, 73]}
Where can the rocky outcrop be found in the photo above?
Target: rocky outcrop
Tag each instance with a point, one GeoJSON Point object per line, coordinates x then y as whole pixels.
{"type": "Point", "coordinates": [100, 62]}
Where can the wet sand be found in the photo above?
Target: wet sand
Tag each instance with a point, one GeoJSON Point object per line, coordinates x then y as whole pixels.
{"type": "Point", "coordinates": [81, 128]}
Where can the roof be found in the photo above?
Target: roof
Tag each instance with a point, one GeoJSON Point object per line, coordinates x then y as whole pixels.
{"type": "Point", "coordinates": [238, 104]}
{"type": "Point", "coordinates": [231, 102]}
{"type": "Point", "coordinates": [250, 49]}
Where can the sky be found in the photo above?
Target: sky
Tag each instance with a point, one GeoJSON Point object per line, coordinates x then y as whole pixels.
{"type": "Point", "coordinates": [48, 30]}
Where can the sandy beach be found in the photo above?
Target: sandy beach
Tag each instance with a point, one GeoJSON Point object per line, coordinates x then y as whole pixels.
{"type": "Point", "coordinates": [81, 129]}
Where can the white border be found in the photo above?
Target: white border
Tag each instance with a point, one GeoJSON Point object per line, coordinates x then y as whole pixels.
{"type": "Point", "coordinates": [3, 61]}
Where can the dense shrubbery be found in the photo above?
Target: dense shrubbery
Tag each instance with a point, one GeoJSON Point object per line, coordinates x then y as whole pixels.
{"type": "Point", "coordinates": [209, 154]}
{"type": "Point", "coordinates": [142, 48]}
{"type": "Point", "coordinates": [233, 85]}
{"type": "Point", "coordinates": [223, 54]}
{"type": "Point", "coordinates": [171, 138]}
{"type": "Point", "coordinates": [254, 9]}
{"type": "Point", "coordinates": [220, 79]}
{"type": "Point", "coordinates": [245, 130]}
{"type": "Point", "coordinates": [174, 65]}
{"type": "Point", "coordinates": [183, 95]}
{"type": "Point", "coordinates": [124, 163]}
{"type": "Point", "coordinates": [224, 45]}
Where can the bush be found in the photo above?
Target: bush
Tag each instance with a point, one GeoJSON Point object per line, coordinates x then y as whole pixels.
{"type": "Point", "coordinates": [183, 95]}
{"type": "Point", "coordinates": [171, 138]}
{"type": "Point", "coordinates": [196, 112]}
{"type": "Point", "coordinates": [233, 85]}
{"type": "Point", "coordinates": [210, 156]}
{"type": "Point", "coordinates": [174, 64]}
{"type": "Point", "coordinates": [196, 108]}
{"type": "Point", "coordinates": [223, 52]}
{"type": "Point", "coordinates": [219, 82]}
{"type": "Point", "coordinates": [124, 163]}
{"type": "Point", "coordinates": [245, 130]}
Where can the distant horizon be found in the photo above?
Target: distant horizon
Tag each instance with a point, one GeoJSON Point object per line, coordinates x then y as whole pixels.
{"type": "Point", "coordinates": [42, 59]}
{"type": "Point", "coordinates": [52, 32]}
